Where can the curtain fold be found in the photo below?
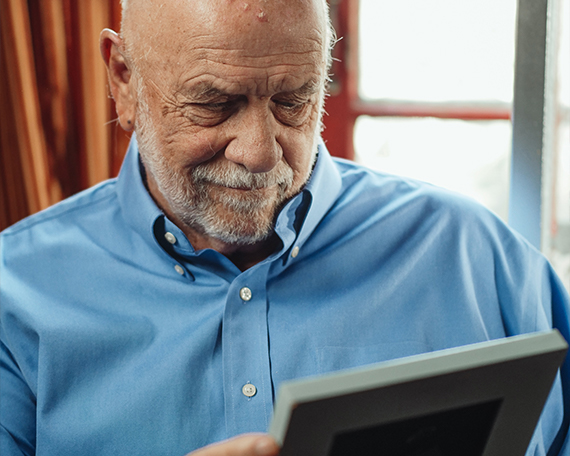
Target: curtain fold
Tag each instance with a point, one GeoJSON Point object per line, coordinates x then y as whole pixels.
{"type": "Point", "coordinates": [24, 101]}
{"type": "Point", "coordinates": [92, 18]}
{"type": "Point", "coordinates": [57, 133]}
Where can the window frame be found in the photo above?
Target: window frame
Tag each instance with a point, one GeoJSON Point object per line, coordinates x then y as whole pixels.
{"type": "Point", "coordinates": [528, 204]}
{"type": "Point", "coordinates": [344, 104]}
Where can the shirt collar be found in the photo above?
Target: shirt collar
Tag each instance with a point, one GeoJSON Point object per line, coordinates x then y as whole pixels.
{"type": "Point", "coordinates": [297, 220]}
{"type": "Point", "coordinates": [324, 187]}
{"type": "Point", "coordinates": [138, 207]}
{"type": "Point", "coordinates": [310, 206]}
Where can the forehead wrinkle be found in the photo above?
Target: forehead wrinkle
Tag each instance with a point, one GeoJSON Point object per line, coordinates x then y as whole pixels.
{"type": "Point", "coordinates": [283, 53]}
{"type": "Point", "coordinates": [217, 63]}
{"type": "Point", "coordinates": [223, 73]}
{"type": "Point", "coordinates": [206, 63]}
{"type": "Point", "coordinates": [283, 82]}
{"type": "Point", "coordinates": [269, 68]}
{"type": "Point", "coordinates": [201, 45]}
{"type": "Point", "coordinates": [213, 53]}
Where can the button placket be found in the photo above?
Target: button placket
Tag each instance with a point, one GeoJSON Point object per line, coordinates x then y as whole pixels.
{"type": "Point", "coordinates": [247, 376]}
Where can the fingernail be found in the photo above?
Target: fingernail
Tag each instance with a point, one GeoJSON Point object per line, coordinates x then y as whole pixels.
{"type": "Point", "coordinates": [265, 447]}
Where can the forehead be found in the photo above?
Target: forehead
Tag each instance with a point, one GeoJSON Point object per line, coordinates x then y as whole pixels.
{"type": "Point", "coordinates": [232, 39]}
{"type": "Point", "coordinates": [235, 72]}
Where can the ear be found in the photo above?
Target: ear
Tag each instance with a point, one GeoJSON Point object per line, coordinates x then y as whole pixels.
{"type": "Point", "coordinates": [120, 80]}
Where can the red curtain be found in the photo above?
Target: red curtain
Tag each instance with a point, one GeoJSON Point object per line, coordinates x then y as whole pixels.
{"type": "Point", "coordinates": [57, 129]}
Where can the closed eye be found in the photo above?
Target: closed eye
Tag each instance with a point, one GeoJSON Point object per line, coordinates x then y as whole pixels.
{"type": "Point", "coordinates": [211, 113]}
{"type": "Point", "coordinates": [291, 112]}
{"type": "Point", "coordinates": [289, 104]}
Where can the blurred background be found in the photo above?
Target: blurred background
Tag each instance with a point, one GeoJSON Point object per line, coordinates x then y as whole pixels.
{"type": "Point", "coordinates": [421, 88]}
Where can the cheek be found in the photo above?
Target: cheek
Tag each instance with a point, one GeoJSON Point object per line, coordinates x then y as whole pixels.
{"type": "Point", "coordinates": [299, 147]}
{"type": "Point", "coordinates": [187, 144]}
{"type": "Point", "coordinates": [299, 155]}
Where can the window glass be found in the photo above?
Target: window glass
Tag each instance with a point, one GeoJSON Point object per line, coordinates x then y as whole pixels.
{"type": "Point", "coordinates": [558, 240]}
{"type": "Point", "coordinates": [471, 157]}
{"type": "Point", "coordinates": [437, 50]}
{"type": "Point", "coordinates": [559, 249]}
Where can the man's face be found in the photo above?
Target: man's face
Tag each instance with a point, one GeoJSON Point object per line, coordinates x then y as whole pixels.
{"type": "Point", "coordinates": [229, 105]}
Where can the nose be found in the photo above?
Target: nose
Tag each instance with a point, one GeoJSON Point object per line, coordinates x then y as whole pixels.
{"type": "Point", "coordinates": [254, 144]}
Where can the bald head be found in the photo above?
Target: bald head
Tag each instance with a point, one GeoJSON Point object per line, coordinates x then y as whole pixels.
{"type": "Point", "coordinates": [145, 21]}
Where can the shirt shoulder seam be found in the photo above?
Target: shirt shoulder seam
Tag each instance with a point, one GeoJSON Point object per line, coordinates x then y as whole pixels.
{"type": "Point", "coordinates": [64, 207]}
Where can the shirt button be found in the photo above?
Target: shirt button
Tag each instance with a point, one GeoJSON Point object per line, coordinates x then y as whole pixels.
{"type": "Point", "coordinates": [295, 252]}
{"type": "Point", "coordinates": [179, 269]}
{"type": "Point", "coordinates": [170, 237]}
{"type": "Point", "coordinates": [245, 294]}
{"type": "Point", "coordinates": [249, 390]}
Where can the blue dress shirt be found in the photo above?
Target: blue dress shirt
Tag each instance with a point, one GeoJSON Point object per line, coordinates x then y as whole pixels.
{"type": "Point", "coordinates": [117, 337]}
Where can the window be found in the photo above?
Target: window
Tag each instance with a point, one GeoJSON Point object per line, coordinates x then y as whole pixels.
{"type": "Point", "coordinates": [424, 88]}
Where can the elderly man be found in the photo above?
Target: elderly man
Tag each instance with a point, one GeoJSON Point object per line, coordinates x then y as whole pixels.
{"type": "Point", "coordinates": [158, 313]}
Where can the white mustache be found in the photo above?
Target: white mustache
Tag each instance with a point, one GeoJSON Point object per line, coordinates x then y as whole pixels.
{"type": "Point", "coordinates": [238, 177]}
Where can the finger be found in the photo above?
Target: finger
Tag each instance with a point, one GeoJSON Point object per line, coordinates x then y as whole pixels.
{"type": "Point", "coordinates": [245, 445]}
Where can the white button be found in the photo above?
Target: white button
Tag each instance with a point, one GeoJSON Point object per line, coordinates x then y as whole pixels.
{"type": "Point", "coordinates": [179, 269]}
{"type": "Point", "coordinates": [170, 237]}
{"type": "Point", "coordinates": [245, 294]}
{"type": "Point", "coordinates": [295, 252]}
{"type": "Point", "coordinates": [249, 390]}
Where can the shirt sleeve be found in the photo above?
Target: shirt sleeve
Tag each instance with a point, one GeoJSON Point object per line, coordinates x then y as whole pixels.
{"type": "Point", "coordinates": [17, 409]}
{"type": "Point", "coordinates": [532, 298]}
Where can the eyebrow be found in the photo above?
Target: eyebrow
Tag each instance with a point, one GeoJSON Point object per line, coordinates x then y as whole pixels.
{"type": "Point", "coordinates": [205, 91]}
{"type": "Point", "coordinates": [309, 88]}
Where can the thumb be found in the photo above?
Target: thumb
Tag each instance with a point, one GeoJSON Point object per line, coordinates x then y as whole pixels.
{"type": "Point", "coordinates": [244, 445]}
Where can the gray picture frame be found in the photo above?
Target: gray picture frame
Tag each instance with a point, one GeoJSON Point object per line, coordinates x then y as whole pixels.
{"type": "Point", "coordinates": [483, 399]}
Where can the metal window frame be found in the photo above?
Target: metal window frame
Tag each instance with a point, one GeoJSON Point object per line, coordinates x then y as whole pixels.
{"type": "Point", "coordinates": [533, 125]}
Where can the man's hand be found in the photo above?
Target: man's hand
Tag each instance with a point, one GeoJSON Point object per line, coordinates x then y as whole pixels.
{"type": "Point", "coordinates": [244, 445]}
